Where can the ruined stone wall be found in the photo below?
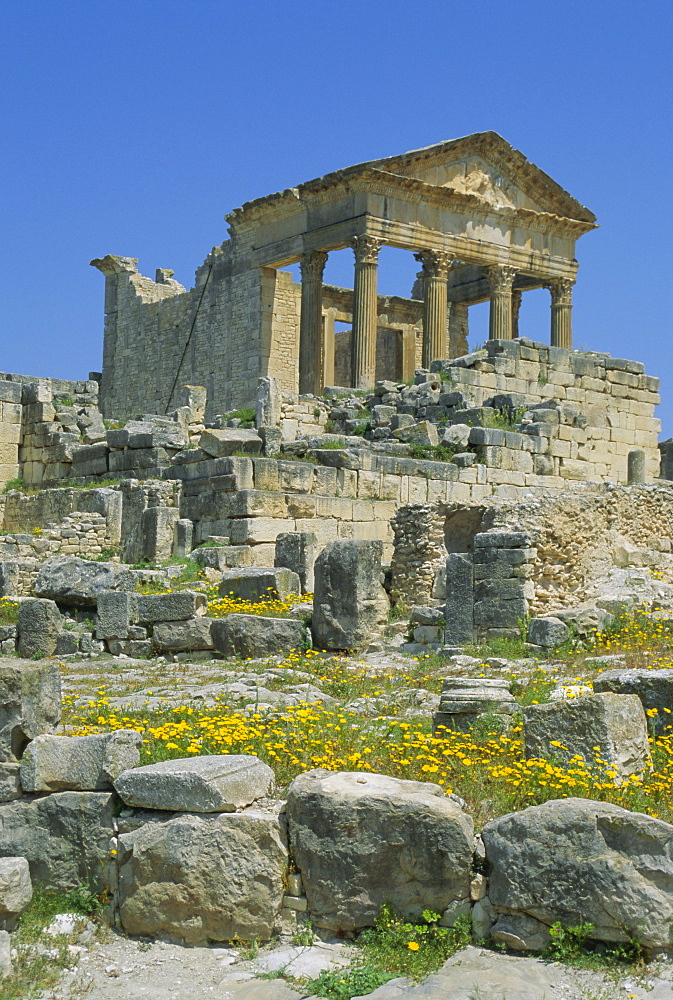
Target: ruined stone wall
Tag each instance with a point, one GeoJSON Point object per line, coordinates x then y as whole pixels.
{"type": "Point", "coordinates": [590, 541]}
{"type": "Point", "coordinates": [614, 397]}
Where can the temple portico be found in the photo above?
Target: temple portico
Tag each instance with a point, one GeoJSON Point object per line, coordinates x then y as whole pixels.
{"type": "Point", "coordinates": [485, 224]}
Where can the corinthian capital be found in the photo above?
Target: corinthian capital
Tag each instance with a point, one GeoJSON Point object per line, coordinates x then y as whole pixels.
{"type": "Point", "coordinates": [561, 291]}
{"type": "Point", "coordinates": [366, 249]}
{"type": "Point", "coordinates": [500, 277]}
{"type": "Point", "coordinates": [312, 265]}
{"type": "Point", "coordinates": [436, 263]}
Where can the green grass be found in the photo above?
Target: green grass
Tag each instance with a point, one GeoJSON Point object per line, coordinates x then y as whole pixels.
{"type": "Point", "coordinates": [247, 415]}
{"type": "Point", "coordinates": [505, 418]}
{"type": "Point", "coordinates": [436, 452]}
{"type": "Point", "coordinates": [34, 973]}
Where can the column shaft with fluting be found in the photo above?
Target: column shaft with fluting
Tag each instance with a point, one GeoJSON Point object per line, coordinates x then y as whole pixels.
{"type": "Point", "coordinates": [363, 339]}
{"type": "Point", "coordinates": [561, 313]}
{"type": "Point", "coordinates": [312, 265]}
{"type": "Point", "coordinates": [436, 264]}
{"type": "Point", "coordinates": [500, 278]}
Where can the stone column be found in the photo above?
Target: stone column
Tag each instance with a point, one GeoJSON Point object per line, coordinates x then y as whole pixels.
{"type": "Point", "coordinates": [517, 295]}
{"type": "Point", "coordinates": [500, 278]}
{"type": "Point", "coordinates": [363, 339]}
{"type": "Point", "coordinates": [561, 312]}
{"type": "Point", "coordinates": [312, 266]}
{"type": "Point", "coordinates": [436, 264]}
{"type": "Point", "coordinates": [459, 329]}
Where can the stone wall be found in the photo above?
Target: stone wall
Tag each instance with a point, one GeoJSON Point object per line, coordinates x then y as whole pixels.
{"type": "Point", "coordinates": [237, 323]}
{"type": "Point", "coordinates": [593, 541]}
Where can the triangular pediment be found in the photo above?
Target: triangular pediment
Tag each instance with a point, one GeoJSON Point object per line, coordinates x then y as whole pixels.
{"type": "Point", "coordinates": [485, 166]}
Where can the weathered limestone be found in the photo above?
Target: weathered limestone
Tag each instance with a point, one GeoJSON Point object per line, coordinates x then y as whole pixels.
{"type": "Point", "coordinates": [464, 699]}
{"type": "Point", "coordinates": [654, 688]}
{"type": "Point", "coordinates": [183, 636]}
{"type": "Point", "coordinates": [312, 265]}
{"type": "Point", "coordinates": [30, 704]}
{"type": "Point", "coordinates": [363, 341]}
{"type": "Point", "coordinates": [361, 839]}
{"type": "Point", "coordinates": [220, 783]}
{"type": "Point", "coordinates": [561, 311]}
{"type": "Point", "coordinates": [297, 550]}
{"type": "Point", "coordinates": [436, 266]}
{"type": "Point", "coordinates": [38, 626]}
{"type": "Point", "coordinates": [78, 763]}
{"type": "Point", "coordinates": [200, 878]}
{"type": "Point", "coordinates": [220, 443]}
{"type": "Point", "coordinates": [349, 603]}
{"type": "Point", "coordinates": [64, 836]}
{"type": "Point", "coordinates": [259, 584]}
{"type": "Point", "coordinates": [16, 890]}
{"type": "Point", "coordinates": [268, 403]}
{"type": "Point", "coordinates": [500, 279]}
{"type": "Point", "coordinates": [579, 861]}
{"type": "Point", "coordinates": [459, 590]}
{"type": "Point", "coordinates": [615, 723]}
{"type": "Point", "coordinates": [547, 632]}
{"type": "Point", "coordinates": [69, 580]}
{"type": "Point", "coordinates": [254, 636]}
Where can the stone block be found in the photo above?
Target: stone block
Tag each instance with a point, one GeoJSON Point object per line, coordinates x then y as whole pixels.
{"type": "Point", "coordinates": [221, 557]}
{"type": "Point", "coordinates": [116, 611]}
{"type": "Point", "coordinates": [78, 763]}
{"type": "Point", "coordinates": [16, 891]}
{"type": "Point", "coordinates": [459, 609]}
{"type": "Point", "coordinates": [249, 530]}
{"type": "Point", "coordinates": [38, 627]}
{"type": "Point", "coordinates": [175, 607]}
{"type": "Point", "coordinates": [218, 783]}
{"type": "Point", "coordinates": [182, 636]}
{"type": "Point", "coordinates": [361, 839]}
{"type": "Point", "coordinates": [295, 477]}
{"type": "Point", "coordinates": [463, 699]}
{"type": "Point", "coordinates": [615, 723]}
{"type": "Point", "coordinates": [254, 636]}
{"type": "Point", "coordinates": [184, 538]}
{"type": "Point", "coordinates": [72, 581]}
{"type": "Point", "coordinates": [297, 551]}
{"type": "Point", "coordinates": [349, 602]}
{"type": "Point", "coordinates": [269, 402]}
{"type": "Point", "coordinates": [224, 442]}
{"type": "Point", "coordinates": [423, 433]}
{"type": "Point", "coordinates": [10, 392]}
{"type": "Point", "coordinates": [258, 584]}
{"type": "Point", "coordinates": [580, 861]}
{"type": "Point", "coordinates": [158, 527]}
{"type": "Point", "coordinates": [65, 837]}
{"type": "Point", "coordinates": [200, 878]}
{"type": "Point", "coordinates": [30, 704]}
{"type": "Point", "coordinates": [252, 503]}
{"type": "Point", "coordinates": [67, 642]}
{"type": "Point", "coordinates": [10, 783]}
{"type": "Point", "coordinates": [10, 577]}
{"type": "Point", "coordinates": [654, 688]}
{"type": "Point", "coordinates": [499, 613]}
{"type": "Point", "coordinates": [547, 632]}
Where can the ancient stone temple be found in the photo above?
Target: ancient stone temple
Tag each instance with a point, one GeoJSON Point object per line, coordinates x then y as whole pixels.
{"type": "Point", "coordinates": [484, 223]}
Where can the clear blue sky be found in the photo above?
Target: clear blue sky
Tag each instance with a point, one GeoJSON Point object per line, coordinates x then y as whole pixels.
{"type": "Point", "coordinates": [131, 128]}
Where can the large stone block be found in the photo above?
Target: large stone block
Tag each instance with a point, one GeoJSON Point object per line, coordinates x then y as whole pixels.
{"type": "Point", "coordinates": [258, 584]}
{"type": "Point", "coordinates": [579, 861]}
{"type": "Point", "coordinates": [115, 613]}
{"type": "Point", "coordinates": [38, 625]}
{"type": "Point", "coordinates": [178, 606]}
{"type": "Point", "coordinates": [222, 443]}
{"type": "Point", "coordinates": [349, 602]}
{"type": "Point", "coordinates": [653, 687]}
{"type": "Point", "coordinates": [65, 837]}
{"type": "Point", "coordinates": [72, 581]}
{"type": "Point", "coordinates": [297, 550]}
{"type": "Point", "coordinates": [30, 704]}
{"type": "Point", "coordinates": [16, 890]}
{"type": "Point", "coordinates": [219, 783]}
{"type": "Point", "coordinates": [158, 526]}
{"type": "Point", "coordinates": [178, 637]}
{"type": "Point", "coordinates": [253, 636]}
{"type": "Point", "coordinates": [361, 839]}
{"type": "Point", "coordinates": [547, 632]}
{"type": "Point", "coordinates": [269, 402]}
{"type": "Point", "coordinates": [615, 723]}
{"type": "Point", "coordinates": [459, 615]}
{"type": "Point", "coordinates": [79, 763]}
{"type": "Point", "coordinates": [200, 878]}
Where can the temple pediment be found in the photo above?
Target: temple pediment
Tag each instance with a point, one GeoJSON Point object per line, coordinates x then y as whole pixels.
{"type": "Point", "coordinates": [485, 166]}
